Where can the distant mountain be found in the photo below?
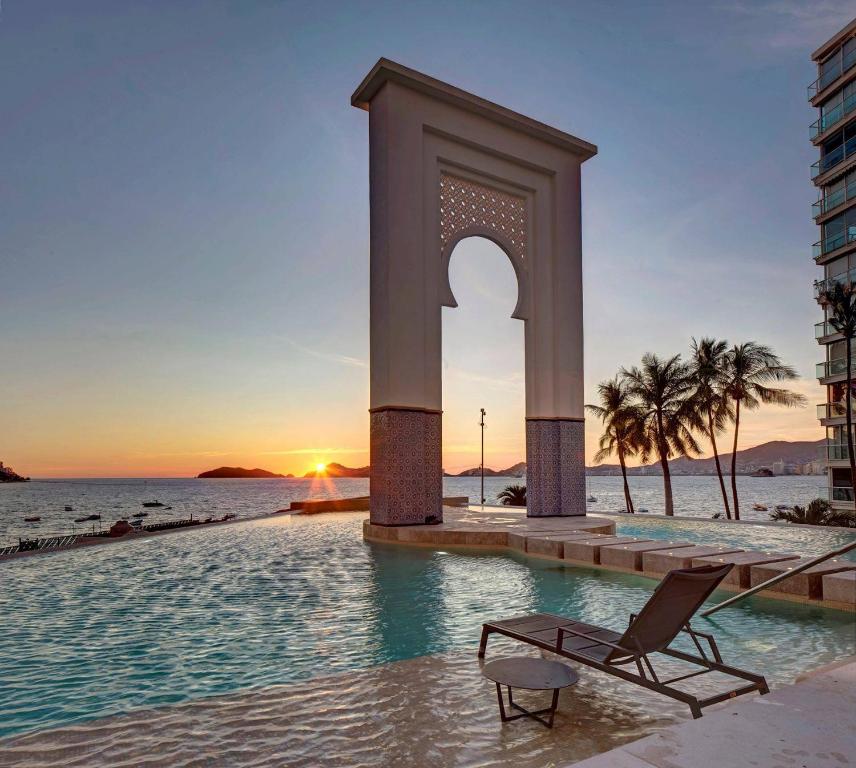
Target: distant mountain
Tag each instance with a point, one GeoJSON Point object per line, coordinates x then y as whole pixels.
{"type": "Point", "coordinates": [516, 470]}
{"type": "Point", "coordinates": [239, 472]}
{"type": "Point", "coordinates": [781, 452]}
{"type": "Point", "coordinates": [339, 470]}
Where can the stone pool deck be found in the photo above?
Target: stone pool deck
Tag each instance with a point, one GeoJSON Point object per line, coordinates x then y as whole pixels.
{"type": "Point", "coordinates": [590, 540]}
{"type": "Point", "coordinates": [811, 724]}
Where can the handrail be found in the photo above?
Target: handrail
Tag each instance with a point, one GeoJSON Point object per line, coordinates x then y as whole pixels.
{"type": "Point", "coordinates": [781, 577]}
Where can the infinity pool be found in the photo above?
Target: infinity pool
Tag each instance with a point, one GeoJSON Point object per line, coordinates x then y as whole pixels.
{"type": "Point", "coordinates": [100, 631]}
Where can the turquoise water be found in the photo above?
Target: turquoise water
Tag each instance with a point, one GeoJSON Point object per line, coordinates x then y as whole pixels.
{"type": "Point", "coordinates": [95, 632]}
{"type": "Point", "coordinates": [797, 540]}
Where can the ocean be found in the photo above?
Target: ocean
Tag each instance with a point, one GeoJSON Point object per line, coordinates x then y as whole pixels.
{"type": "Point", "coordinates": [118, 498]}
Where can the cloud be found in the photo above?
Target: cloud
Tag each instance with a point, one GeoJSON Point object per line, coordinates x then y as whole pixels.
{"type": "Point", "coordinates": [331, 357]}
{"type": "Point", "coordinates": [313, 451]}
{"type": "Point", "coordinates": [513, 381]}
{"type": "Point", "coordinates": [185, 453]}
{"type": "Point", "coordinates": [792, 24]}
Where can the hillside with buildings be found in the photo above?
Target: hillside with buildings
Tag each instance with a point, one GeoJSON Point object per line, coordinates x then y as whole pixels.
{"type": "Point", "coordinates": [781, 457]}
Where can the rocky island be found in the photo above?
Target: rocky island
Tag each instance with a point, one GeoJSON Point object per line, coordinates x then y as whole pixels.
{"type": "Point", "coordinates": [8, 476]}
{"type": "Point", "coordinates": [239, 472]}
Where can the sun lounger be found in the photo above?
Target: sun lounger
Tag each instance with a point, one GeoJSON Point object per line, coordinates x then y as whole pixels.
{"type": "Point", "coordinates": [665, 616]}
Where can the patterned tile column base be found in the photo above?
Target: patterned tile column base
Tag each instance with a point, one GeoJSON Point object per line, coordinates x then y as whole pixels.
{"type": "Point", "coordinates": [555, 467]}
{"type": "Point", "coordinates": [406, 485]}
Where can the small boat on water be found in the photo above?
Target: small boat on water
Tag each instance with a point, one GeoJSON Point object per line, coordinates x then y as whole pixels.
{"type": "Point", "coordinates": [783, 507]}
{"type": "Point", "coordinates": [80, 519]}
{"type": "Point", "coordinates": [643, 510]}
{"type": "Point", "coordinates": [94, 517]}
{"type": "Point", "coordinates": [32, 519]}
{"type": "Point", "coordinates": [68, 508]}
{"type": "Point", "coordinates": [140, 514]}
{"type": "Point", "coordinates": [759, 507]}
{"type": "Point", "coordinates": [152, 504]}
{"type": "Point", "coordinates": [591, 499]}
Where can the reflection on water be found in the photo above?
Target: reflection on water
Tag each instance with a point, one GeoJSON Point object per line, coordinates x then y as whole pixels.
{"type": "Point", "coordinates": [200, 613]}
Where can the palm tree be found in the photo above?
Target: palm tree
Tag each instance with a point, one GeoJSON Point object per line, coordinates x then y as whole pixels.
{"type": "Point", "coordinates": [707, 368]}
{"type": "Point", "coordinates": [513, 495]}
{"type": "Point", "coordinates": [841, 314]}
{"type": "Point", "coordinates": [818, 512]}
{"type": "Point", "coordinates": [749, 369]}
{"type": "Point", "coordinates": [661, 388]}
{"type": "Point", "coordinates": [621, 433]}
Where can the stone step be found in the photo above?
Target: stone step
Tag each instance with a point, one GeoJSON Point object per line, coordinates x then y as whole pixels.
{"type": "Point", "coordinates": [629, 556]}
{"type": "Point", "coordinates": [664, 560]}
{"type": "Point", "coordinates": [553, 545]}
{"type": "Point", "coordinates": [588, 550]}
{"type": "Point", "coordinates": [808, 584]}
{"type": "Point", "coordinates": [840, 587]}
{"type": "Point", "coordinates": [740, 574]}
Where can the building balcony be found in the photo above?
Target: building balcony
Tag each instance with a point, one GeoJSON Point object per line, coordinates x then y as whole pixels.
{"type": "Point", "coordinates": [835, 452]}
{"type": "Point", "coordinates": [832, 117]}
{"type": "Point", "coordinates": [823, 329]}
{"type": "Point", "coordinates": [835, 367]}
{"type": "Point", "coordinates": [833, 243]}
{"type": "Point", "coordinates": [827, 284]}
{"type": "Point", "coordinates": [833, 410]}
{"type": "Point", "coordinates": [841, 493]}
{"type": "Point", "coordinates": [831, 75]}
{"type": "Point", "coordinates": [831, 202]}
{"type": "Point", "coordinates": [836, 157]}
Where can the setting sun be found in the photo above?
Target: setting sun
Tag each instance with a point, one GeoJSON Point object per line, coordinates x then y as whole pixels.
{"type": "Point", "coordinates": [320, 467]}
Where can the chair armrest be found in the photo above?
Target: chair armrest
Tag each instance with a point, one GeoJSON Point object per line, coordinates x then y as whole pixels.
{"type": "Point", "coordinates": [714, 649]}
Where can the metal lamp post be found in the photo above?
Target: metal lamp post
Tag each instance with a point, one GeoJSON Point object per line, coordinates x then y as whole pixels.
{"type": "Point", "coordinates": [481, 424]}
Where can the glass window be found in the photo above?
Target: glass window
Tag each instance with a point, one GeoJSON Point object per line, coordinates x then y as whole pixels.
{"type": "Point", "coordinates": [837, 267]}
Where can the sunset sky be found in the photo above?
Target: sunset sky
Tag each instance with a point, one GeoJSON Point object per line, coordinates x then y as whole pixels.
{"type": "Point", "coordinates": [184, 216]}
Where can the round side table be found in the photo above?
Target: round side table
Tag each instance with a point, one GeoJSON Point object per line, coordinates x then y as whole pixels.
{"type": "Point", "coordinates": [531, 674]}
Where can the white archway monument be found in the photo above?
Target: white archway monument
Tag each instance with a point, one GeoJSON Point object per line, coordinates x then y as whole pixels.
{"type": "Point", "coordinates": [444, 165]}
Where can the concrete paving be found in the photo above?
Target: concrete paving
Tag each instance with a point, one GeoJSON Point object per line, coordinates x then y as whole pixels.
{"type": "Point", "coordinates": [811, 724]}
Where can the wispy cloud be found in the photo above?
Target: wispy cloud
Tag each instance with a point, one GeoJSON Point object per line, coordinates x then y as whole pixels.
{"type": "Point", "coordinates": [331, 357]}
{"type": "Point", "coordinates": [185, 453]}
{"type": "Point", "coordinates": [512, 381]}
{"type": "Point", "coordinates": [314, 451]}
{"type": "Point", "coordinates": [791, 23]}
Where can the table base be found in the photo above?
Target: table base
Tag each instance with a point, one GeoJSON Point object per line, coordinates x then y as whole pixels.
{"type": "Point", "coordinates": [533, 714]}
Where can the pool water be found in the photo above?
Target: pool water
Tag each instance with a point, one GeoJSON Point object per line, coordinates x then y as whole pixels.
{"type": "Point", "coordinates": [772, 537]}
{"type": "Point", "coordinates": [105, 630]}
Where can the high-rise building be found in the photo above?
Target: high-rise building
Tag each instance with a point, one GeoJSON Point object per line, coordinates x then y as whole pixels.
{"type": "Point", "coordinates": [834, 175]}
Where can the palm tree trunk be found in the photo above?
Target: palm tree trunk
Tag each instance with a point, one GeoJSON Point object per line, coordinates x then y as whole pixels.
{"type": "Point", "coordinates": [628, 502]}
{"type": "Point", "coordinates": [667, 484]}
{"type": "Point", "coordinates": [848, 398]}
{"type": "Point", "coordinates": [718, 466]}
{"type": "Point", "coordinates": [663, 450]}
{"type": "Point", "coordinates": [734, 459]}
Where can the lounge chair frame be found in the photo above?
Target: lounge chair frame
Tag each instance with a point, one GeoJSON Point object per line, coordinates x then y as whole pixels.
{"type": "Point", "coordinates": [646, 676]}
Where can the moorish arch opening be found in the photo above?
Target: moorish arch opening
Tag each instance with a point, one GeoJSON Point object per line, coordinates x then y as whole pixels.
{"type": "Point", "coordinates": [483, 361]}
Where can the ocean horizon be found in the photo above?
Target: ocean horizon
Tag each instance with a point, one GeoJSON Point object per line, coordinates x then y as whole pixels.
{"type": "Point", "coordinates": [120, 498]}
